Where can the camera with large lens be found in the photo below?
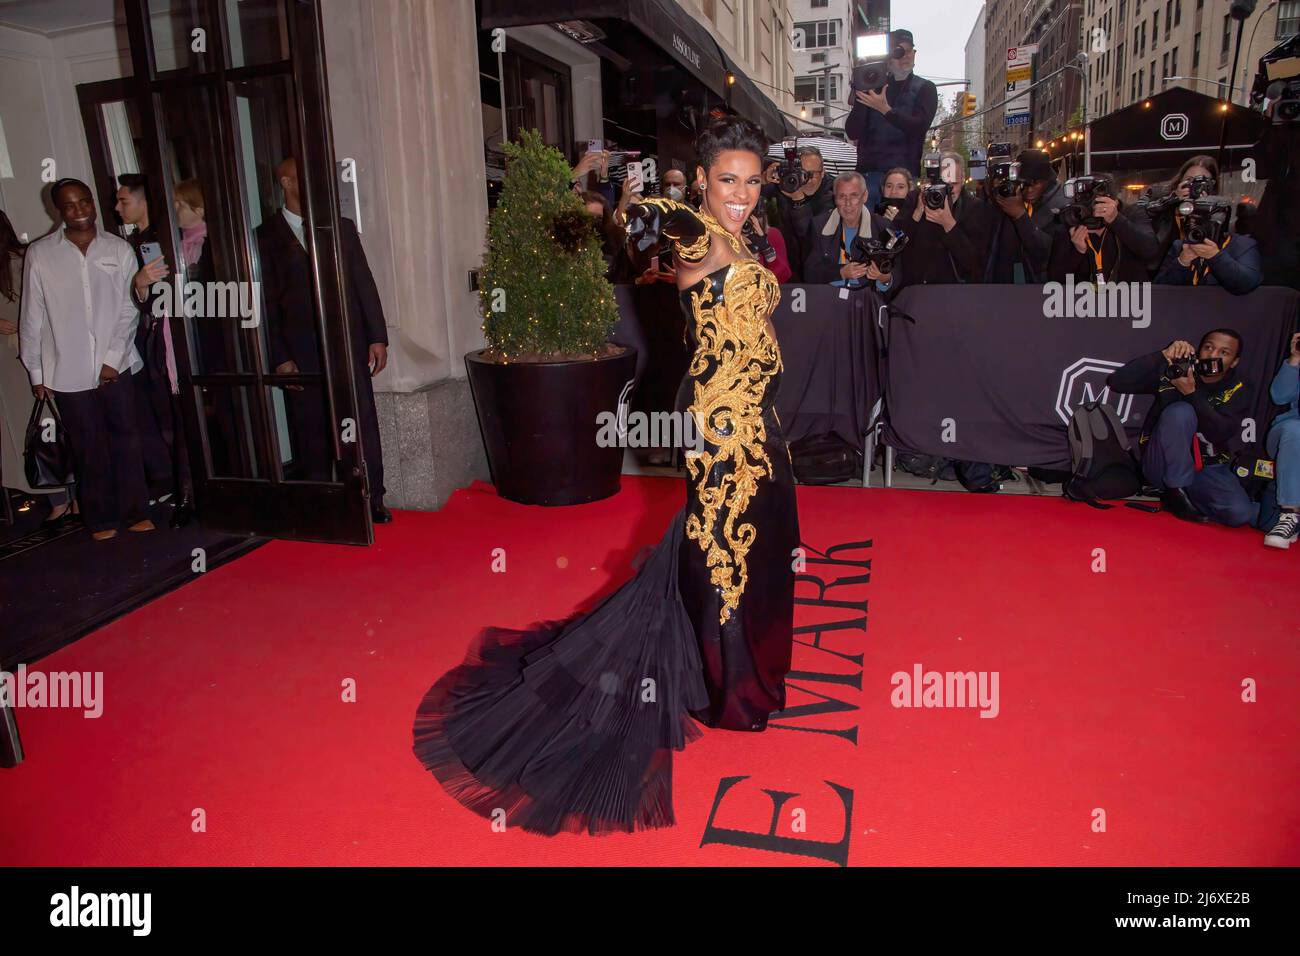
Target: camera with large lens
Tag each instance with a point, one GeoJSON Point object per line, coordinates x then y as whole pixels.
{"type": "Point", "coordinates": [879, 252]}
{"type": "Point", "coordinates": [1179, 368]}
{"type": "Point", "coordinates": [1205, 218]}
{"type": "Point", "coordinates": [1083, 191]}
{"type": "Point", "coordinates": [935, 191]}
{"type": "Point", "coordinates": [1286, 97]}
{"type": "Point", "coordinates": [792, 174]}
{"type": "Point", "coordinates": [870, 76]}
{"type": "Point", "coordinates": [1003, 172]}
{"type": "Point", "coordinates": [1197, 187]}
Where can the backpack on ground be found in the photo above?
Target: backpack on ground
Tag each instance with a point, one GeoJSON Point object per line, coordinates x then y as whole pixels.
{"type": "Point", "coordinates": [1102, 464]}
{"type": "Point", "coordinates": [825, 460]}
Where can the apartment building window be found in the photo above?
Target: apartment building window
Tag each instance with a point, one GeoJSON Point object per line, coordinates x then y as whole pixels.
{"type": "Point", "coordinates": [1169, 16]}
{"type": "Point", "coordinates": [1173, 63]}
{"type": "Point", "coordinates": [1151, 79]}
{"type": "Point", "coordinates": [1135, 87]}
{"type": "Point", "coordinates": [1142, 47]}
{"type": "Point", "coordinates": [1178, 12]}
{"type": "Point", "coordinates": [1164, 66]}
{"type": "Point", "coordinates": [1196, 54]}
{"type": "Point", "coordinates": [1119, 66]}
{"type": "Point", "coordinates": [819, 33]}
{"type": "Point", "coordinates": [1227, 35]}
{"type": "Point", "coordinates": [1288, 19]}
{"type": "Point", "coordinates": [805, 89]}
{"type": "Point", "coordinates": [818, 4]}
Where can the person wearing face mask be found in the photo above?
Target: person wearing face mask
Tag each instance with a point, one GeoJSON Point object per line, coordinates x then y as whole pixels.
{"type": "Point", "coordinates": [894, 188]}
{"type": "Point", "coordinates": [889, 126]}
{"type": "Point", "coordinates": [945, 245]}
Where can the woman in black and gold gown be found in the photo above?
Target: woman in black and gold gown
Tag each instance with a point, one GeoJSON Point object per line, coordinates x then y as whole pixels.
{"type": "Point", "coordinates": [570, 725]}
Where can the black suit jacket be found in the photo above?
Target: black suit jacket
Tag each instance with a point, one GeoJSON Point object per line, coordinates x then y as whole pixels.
{"type": "Point", "coordinates": [290, 315]}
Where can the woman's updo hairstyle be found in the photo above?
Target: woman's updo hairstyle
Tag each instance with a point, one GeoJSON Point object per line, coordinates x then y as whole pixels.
{"type": "Point", "coordinates": [730, 132]}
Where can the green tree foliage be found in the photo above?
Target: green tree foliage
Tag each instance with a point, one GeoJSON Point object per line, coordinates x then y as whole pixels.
{"type": "Point", "coordinates": [543, 289]}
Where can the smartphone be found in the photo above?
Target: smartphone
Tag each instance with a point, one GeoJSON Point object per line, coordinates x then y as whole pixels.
{"type": "Point", "coordinates": [595, 145]}
{"type": "Point", "coordinates": [150, 251]}
{"type": "Point", "coordinates": [635, 177]}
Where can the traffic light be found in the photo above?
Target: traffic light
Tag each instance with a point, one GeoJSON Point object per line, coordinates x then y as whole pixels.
{"type": "Point", "coordinates": [968, 106]}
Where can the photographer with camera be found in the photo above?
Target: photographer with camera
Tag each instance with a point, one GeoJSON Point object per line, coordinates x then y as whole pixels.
{"type": "Point", "coordinates": [1194, 428]}
{"type": "Point", "coordinates": [1209, 254]}
{"type": "Point", "coordinates": [1276, 225]}
{"type": "Point", "coordinates": [1197, 177]}
{"type": "Point", "coordinates": [946, 228]}
{"type": "Point", "coordinates": [892, 109]}
{"type": "Point", "coordinates": [803, 192]}
{"type": "Point", "coordinates": [1023, 200]}
{"type": "Point", "coordinates": [849, 245]}
{"type": "Point", "coordinates": [1101, 239]}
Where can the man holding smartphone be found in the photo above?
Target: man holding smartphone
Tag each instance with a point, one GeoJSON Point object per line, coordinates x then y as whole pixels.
{"type": "Point", "coordinates": [1194, 429]}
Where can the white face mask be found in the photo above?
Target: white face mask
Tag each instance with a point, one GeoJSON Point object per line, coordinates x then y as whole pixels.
{"type": "Point", "coordinates": [675, 193]}
{"type": "Point", "coordinates": [900, 74]}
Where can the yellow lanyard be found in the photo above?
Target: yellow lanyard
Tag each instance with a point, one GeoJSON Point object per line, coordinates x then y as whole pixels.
{"type": "Point", "coordinates": [1197, 274]}
{"type": "Point", "coordinates": [1096, 253]}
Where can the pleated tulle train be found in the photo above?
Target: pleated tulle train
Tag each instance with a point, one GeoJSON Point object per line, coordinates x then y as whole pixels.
{"type": "Point", "coordinates": [570, 725]}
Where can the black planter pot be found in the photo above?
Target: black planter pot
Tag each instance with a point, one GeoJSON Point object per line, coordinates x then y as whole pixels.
{"type": "Point", "coordinates": [539, 425]}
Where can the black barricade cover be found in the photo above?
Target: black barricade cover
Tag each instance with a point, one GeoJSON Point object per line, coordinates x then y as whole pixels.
{"type": "Point", "coordinates": [829, 379]}
{"type": "Point", "coordinates": [989, 365]}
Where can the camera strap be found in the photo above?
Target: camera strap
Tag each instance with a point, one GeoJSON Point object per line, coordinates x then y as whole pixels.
{"type": "Point", "coordinates": [1096, 255]}
{"type": "Point", "coordinates": [1199, 273]}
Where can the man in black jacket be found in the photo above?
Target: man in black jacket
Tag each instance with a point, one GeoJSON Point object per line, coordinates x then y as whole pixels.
{"type": "Point", "coordinates": [949, 244]}
{"type": "Point", "coordinates": [829, 239]}
{"type": "Point", "coordinates": [889, 126]}
{"type": "Point", "coordinates": [1022, 225]}
{"type": "Point", "coordinates": [796, 209]}
{"type": "Point", "coordinates": [291, 332]}
{"type": "Point", "coordinates": [1120, 249]}
{"type": "Point", "coordinates": [1193, 429]}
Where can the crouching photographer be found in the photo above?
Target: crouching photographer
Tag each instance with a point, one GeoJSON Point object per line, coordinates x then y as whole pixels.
{"type": "Point", "coordinates": [1206, 251]}
{"type": "Point", "coordinates": [946, 228]}
{"type": "Point", "coordinates": [849, 245]}
{"type": "Point", "coordinates": [1194, 429]}
{"type": "Point", "coordinates": [1100, 239]}
{"type": "Point", "coordinates": [1024, 200]}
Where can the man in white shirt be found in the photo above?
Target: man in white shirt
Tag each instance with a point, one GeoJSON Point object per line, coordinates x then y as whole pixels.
{"type": "Point", "coordinates": [77, 340]}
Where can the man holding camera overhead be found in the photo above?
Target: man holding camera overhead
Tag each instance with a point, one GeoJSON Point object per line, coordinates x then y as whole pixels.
{"type": "Point", "coordinates": [1101, 240]}
{"type": "Point", "coordinates": [1194, 428]}
{"type": "Point", "coordinates": [888, 122]}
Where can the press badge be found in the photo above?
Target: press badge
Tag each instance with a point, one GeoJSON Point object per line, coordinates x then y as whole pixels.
{"type": "Point", "coordinates": [1263, 468]}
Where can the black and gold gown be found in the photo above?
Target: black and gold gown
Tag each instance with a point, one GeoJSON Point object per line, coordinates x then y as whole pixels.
{"type": "Point", "coordinates": [570, 725]}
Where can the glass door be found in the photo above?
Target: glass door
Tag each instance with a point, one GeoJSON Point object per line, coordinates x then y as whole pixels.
{"type": "Point", "coordinates": [231, 99]}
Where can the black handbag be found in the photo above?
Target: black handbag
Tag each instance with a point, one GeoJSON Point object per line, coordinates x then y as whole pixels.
{"type": "Point", "coordinates": [48, 463]}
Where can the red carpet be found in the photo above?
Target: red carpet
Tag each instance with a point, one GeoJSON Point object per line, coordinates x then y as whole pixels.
{"type": "Point", "coordinates": [1118, 691]}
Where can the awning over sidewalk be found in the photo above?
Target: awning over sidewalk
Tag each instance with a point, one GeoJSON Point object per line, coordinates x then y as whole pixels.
{"type": "Point", "coordinates": [662, 22]}
{"type": "Point", "coordinates": [1176, 125]}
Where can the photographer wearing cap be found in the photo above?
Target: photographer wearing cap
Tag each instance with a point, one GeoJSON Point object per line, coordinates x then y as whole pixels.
{"type": "Point", "coordinates": [796, 209]}
{"type": "Point", "coordinates": [1194, 428]}
{"type": "Point", "coordinates": [1024, 222]}
{"type": "Point", "coordinates": [947, 228]}
{"type": "Point", "coordinates": [889, 124]}
{"type": "Point", "coordinates": [829, 239]}
{"type": "Point", "coordinates": [1100, 238]}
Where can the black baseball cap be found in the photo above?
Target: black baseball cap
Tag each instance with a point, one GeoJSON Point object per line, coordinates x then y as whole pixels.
{"type": "Point", "coordinates": [900, 36]}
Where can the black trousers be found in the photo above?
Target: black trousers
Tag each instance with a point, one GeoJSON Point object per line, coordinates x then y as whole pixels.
{"type": "Point", "coordinates": [309, 430]}
{"type": "Point", "coordinates": [162, 432]}
{"type": "Point", "coordinates": [105, 441]}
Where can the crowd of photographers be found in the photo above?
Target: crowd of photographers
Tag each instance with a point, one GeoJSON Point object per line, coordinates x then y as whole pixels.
{"type": "Point", "coordinates": [1009, 220]}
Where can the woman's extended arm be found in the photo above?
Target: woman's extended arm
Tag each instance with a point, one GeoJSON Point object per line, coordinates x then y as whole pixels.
{"type": "Point", "coordinates": [652, 217]}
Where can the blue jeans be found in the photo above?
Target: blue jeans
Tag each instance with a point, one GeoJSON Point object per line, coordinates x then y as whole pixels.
{"type": "Point", "coordinates": [1283, 445]}
{"type": "Point", "coordinates": [1167, 463]}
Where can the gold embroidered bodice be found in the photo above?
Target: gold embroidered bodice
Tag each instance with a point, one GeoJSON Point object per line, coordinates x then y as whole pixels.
{"type": "Point", "coordinates": [733, 374]}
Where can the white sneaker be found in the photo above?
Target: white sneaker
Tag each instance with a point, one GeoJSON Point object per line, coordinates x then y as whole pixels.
{"type": "Point", "coordinates": [1285, 531]}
